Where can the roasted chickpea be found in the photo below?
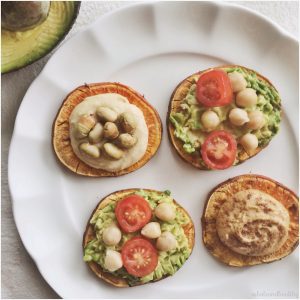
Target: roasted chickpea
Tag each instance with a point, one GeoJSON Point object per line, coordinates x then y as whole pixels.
{"type": "Point", "coordinates": [110, 130]}
{"type": "Point", "coordinates": [126, 140]}
{"type": "Point", "coordinates": [106, 114]}
{"type": "Point", "coordinates": [127, 122]}
{"type": "Point", "coordinates": [96, 133]}
{"type": "Point", "coordinates": [112, 151]}
{"type": "Point", "coordinates": [84, 125]}
{"type": "Point", "coordinates": [90, 150]}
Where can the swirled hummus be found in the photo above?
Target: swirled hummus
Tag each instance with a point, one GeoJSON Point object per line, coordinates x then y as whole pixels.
{"type": "Point", "coordinates": [118, 104]}
{"type": "Point", "coordinates": [253, 223]}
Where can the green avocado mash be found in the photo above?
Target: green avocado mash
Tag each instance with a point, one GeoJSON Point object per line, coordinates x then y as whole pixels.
{"type": "Point", "coordinates": [190, 131]}
{"type": "Point", "coordinates": [168, 262]}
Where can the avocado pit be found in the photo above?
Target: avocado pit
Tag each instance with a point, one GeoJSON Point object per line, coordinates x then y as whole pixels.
{"type": "Point", "coordinates": [23, 15]}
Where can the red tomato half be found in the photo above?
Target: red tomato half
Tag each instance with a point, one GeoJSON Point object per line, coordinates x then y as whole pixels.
{"type": "Point", "coordinates": [219, 150]}
{"type": "Point", "coordinates": [139, 257]}
{"type": "Point", "coordinates": [133, 213]}
{"type": "Point", "coordinates": [214, 89]}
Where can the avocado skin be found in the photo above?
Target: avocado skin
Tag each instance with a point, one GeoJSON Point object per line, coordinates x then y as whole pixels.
{"type": "Point", "coordinates": [14, 67]}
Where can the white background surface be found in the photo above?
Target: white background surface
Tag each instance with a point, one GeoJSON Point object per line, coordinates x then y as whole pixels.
{"type": "Point", "coordinates": [20, 279]}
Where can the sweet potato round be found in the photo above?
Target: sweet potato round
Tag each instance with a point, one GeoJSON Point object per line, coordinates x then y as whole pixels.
{"type": "Point", "coordinates": [176, 98]}
{"type": "Point", "coordinates": [89, 234]}
{"type": "Point", "coordinates": [61, 135]}
{"type": "Point", "coordinates": [225, 190]}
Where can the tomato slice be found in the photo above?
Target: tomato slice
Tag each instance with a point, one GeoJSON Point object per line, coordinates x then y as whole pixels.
{"type": "Point", "coordinates": [139, 257]}
{"type": "Point", "coordinates": [219, 150]}
{"type": "Point", "coordinates": [214, 89]}
{"type": "Point", "coordinates": [133, 213]}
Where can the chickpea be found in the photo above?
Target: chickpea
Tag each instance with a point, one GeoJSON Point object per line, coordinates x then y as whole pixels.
{"type": "Point", "coordinates": [246, 98]}
{"type": "Point", "coordinates": [210, 120]}
{"type": "Point", "coordinates": [238, 82]}
{"type": "Point", "coordinates": [113, 260]}
{"type": "Point", "coordinates": [151, 230]}
{"type": "Point", "coordinates": [238, 116]}
{"type": "Point", "coordinates": [166, 241]}
{"type": "Point", "coordinates": [111, 235]}
{"type": "Point", "coordinates": [249, 141]}
{"type": "Point", "coordinates": [165, 212]}
{"type": "Point", "coordinates": [110, 130]}
{"type": "Point", "coordinates": [256, 120]}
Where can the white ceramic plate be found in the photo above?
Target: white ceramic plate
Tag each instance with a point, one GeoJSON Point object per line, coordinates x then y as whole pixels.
{"type": "Point", "coordinates": [150, 47]}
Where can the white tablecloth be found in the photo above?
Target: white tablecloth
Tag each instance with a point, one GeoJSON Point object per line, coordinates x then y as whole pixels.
{"type": "Point", "coordinates": [20, 277]}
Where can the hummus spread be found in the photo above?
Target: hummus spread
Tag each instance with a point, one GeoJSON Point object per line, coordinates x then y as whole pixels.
{"type": "Point", "coordinates": [253, 223]}
{"type": "Point", "coordinates": [120, 105]}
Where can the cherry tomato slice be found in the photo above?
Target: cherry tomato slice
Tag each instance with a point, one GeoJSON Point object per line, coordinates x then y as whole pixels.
{"type": "Point", "coordinates": [139, 257]}
{"type": "Point", "coordinates": [133, 213]}
{"type": "Point", "coordinates": [219, 150]}
{"type": "Point", "coordinates": [214, 89]}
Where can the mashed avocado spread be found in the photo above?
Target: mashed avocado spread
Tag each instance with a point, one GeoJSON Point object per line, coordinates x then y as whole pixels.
{"type": "Point", "coordinates": [190, 131]}
{"type": "Point", "coordinates": [168, 262]}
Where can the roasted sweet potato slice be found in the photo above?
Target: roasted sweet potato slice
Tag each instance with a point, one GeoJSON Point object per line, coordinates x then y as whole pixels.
{"type": "Point", "coordinates": [89, 234]}
{"type": "Point", "coordinates": [61, 136]}
{"type": "Point", "coordinates": [176, 99]}
{"type": "Point", "coordinates": [228, 188]}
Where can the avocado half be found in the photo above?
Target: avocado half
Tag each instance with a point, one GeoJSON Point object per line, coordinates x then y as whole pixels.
{"type": "Point", "coordinates": [61, 133]}
{"type": "Point", "coordinates": [89, 234]}
{"type": "Point", "coordinates": [21, 48]}
{"type": "Point", "coordinates": [225, 190]}
{"type": "Point", "coordinates": [178, 95]}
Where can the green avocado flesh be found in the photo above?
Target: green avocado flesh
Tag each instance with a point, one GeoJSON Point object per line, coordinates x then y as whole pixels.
{"type": "Point", "coordinates": [168, 262]}
{"type": "Point", "coordinates": [188, 127]}
{"type": "Point", "coordinates": [20, 48]}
